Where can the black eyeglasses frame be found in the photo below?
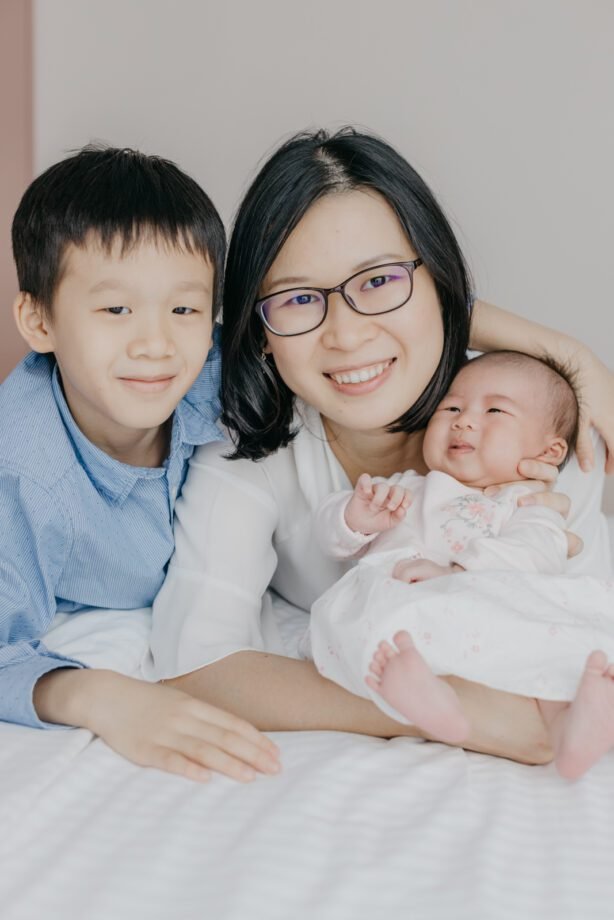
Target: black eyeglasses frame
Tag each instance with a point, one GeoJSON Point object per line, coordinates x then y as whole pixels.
{"type": "Point", "coordinates": [410, 267]}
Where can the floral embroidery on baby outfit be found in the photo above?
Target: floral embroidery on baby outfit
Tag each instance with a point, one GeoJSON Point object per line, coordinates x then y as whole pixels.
{"type": "Point", "coordinates": [470, 516]}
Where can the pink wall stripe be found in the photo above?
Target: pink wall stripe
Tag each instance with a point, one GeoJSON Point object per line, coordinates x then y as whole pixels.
{"type": "Point", "coordinates": [15, 155]}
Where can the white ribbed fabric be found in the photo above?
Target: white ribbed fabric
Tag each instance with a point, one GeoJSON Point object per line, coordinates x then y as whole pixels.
{"type": "Point", "coordinates": [354, 828]}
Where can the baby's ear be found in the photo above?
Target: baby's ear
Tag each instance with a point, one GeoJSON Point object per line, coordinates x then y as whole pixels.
{"type": "Point", "coordinates": [555, 452]}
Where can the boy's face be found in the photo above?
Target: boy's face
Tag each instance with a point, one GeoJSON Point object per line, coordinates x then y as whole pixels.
{"type": "Point", "coordinates": [130, 334]}
{"type": "Point", "coordinates": [492, 417]}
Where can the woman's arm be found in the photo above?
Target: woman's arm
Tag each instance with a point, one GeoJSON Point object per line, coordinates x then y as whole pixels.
{"type": "Point", "coordinates": [283, 694]}
{"type": "Point", "coordinates": [206, 624]}
{"type": "Point", "coordinates": [493, 328]}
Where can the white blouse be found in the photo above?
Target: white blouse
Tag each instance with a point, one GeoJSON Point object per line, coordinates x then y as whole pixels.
{"type": "Point", "coordinates": [243, 527]}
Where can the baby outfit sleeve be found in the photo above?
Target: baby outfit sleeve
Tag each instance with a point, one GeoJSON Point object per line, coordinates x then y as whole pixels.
{"type": "Point", "coordinates": [532, 540]}
{"type": "Point", "coordinates": [210, 603]}
{"type": "Point", "coordinates": [334, 535]}
{"type": "Point", "coordinates": [34, 541]}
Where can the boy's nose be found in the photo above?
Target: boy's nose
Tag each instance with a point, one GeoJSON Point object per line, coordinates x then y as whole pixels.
{"type": "Point", "coordinates": [153, 342]}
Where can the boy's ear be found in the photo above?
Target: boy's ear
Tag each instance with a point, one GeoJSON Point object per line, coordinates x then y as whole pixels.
{"type": "Point", "coordinates": [555, 452]}
{"type": "Point", "coordinates": [32, 323]}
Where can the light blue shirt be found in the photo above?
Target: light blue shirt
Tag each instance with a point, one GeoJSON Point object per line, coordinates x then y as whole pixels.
{"type": "Point", "coordinates": [78, 528]}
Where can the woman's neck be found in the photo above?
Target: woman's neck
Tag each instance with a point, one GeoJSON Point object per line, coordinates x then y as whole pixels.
{"type": "Point", "coordinates": [379, 453]}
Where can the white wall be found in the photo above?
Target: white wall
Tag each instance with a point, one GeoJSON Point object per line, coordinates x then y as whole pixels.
{"type": "Point", "coordinates": [505, 106]}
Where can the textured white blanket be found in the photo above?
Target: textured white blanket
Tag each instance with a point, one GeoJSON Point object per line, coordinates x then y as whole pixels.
{"type": "Point", "coordinates": [526, 634]}
{"type": "Point", "coordinates": [353, 828]}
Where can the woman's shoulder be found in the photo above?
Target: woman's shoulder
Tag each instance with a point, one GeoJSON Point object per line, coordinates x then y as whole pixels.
{"type": "Point", "coordinates": [582, 487]}
{"type": "Point", "coordinates": [303, 466]}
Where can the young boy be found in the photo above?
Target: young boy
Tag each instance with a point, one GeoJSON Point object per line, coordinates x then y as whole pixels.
{"type": "Point", "coordinates": [119, 258]}
{"type": "Point", "coordinates": [514, 634]}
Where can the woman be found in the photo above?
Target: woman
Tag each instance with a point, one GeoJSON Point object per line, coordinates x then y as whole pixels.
{"type": "Point", "coordinates": [321, 386]}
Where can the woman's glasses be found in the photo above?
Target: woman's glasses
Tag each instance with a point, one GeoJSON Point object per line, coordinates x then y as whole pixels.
{"type": "Point", "coordinates": [376, 290]}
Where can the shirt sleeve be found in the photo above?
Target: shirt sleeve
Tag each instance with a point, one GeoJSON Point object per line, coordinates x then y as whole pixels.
{"type": "Point", "coordinates": [532, 540]}
{"type": "Point", "coordinates": [33, 543]}
{"type": "Point", "coordinates": [586, 519]}
{"type": "Point", "coordinates": [210, 603]}
{"type": "Point", "coordinates": [334, 536]}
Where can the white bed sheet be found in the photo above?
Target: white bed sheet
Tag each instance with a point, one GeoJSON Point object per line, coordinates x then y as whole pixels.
{"type": "Point", "coordinates": [354, 828]}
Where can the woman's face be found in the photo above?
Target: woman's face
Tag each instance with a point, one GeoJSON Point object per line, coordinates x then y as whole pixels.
{"type": "Point", "coordinates": [398, 352]}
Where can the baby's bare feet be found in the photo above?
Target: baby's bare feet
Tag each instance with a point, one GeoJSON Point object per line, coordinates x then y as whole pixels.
{"type": "Point", "coordinates": [587, 726]}
{"type": "Point", "coordinates": [402, 677]}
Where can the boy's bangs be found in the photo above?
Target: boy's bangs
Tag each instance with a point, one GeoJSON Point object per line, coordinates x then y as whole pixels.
{"type": "Point", "coordinates": [165, 237]}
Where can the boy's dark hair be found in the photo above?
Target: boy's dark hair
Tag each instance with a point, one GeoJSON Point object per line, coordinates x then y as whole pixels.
{"type": "Point", "coordinates": [115, 194]}
{"type": "Point", "coordinates": [563, 396]}
{"type": "Point", "coordinates": [258, 406]}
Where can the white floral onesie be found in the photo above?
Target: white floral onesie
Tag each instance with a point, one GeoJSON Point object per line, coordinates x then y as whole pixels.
{"type": "Point", "coordinates": [505, 621]}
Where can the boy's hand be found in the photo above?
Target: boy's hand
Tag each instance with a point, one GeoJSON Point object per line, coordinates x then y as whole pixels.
{"type": "Point", "coordinates": [374, 508]}
{"type": "Point", "coordinates": [155, 725]}
{"type": "Point", "coordinates": [414, 570]}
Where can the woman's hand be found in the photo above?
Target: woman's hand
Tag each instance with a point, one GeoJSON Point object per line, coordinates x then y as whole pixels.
{"type": "Point", "coordinates": [493, 328]}
{"type": "Point", "coordinates": [540, 479]}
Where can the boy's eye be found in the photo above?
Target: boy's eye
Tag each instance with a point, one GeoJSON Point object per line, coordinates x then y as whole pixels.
{"type": "Point", "coordinates": [494, 409]}
{"type": "Point", "coordinates": [183, 311]}
{"type": "Point", "coordinates": [117, 311]}
{"type": "Point", "coordinates": [451, 409]}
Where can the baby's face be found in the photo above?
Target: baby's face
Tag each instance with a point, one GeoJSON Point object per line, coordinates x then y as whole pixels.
{"type": "Point", "coordinates": [491, 419]}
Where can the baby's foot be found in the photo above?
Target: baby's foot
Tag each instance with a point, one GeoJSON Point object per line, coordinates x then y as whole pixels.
{"type": "Point", "coordinates": [588, 726]}
{"type": "Point", "coordinates": [402, 677]}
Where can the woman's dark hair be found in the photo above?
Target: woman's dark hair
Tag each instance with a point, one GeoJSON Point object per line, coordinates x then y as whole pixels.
{"type": "Point", "coordinates": [116, 194]}
{"type": "Point", "coordinates": [257, 405]}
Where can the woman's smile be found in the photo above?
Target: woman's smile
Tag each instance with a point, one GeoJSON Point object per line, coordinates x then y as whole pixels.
{"type": "Point", "coordinates": [361, 379]}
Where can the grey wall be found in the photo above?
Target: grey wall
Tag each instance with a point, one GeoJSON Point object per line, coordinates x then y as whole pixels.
{"type": "Point", "coordinates": [505, 107]}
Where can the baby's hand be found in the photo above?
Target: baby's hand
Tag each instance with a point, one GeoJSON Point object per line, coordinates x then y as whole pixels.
{"type": "Point", "coordinates": [374, 508]}
{"type": "Point", "coordinates": [414, 570]}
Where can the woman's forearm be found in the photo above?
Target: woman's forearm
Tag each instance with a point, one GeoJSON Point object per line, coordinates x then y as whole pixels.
{"type": "Point", "coordinates": [283, 694]}
{"type": "Point", "coordinates": [493, 328]}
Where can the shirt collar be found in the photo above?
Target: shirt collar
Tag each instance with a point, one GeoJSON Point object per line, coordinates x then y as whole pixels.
{"type": "Point", "coordinates": [196, 416]}
{"type": "Point", "coordinates": [193, 424]}
{"type": "Point", "coordinates": [110, 476]}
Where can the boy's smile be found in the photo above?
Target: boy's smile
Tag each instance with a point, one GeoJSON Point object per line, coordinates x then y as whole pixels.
{"type": "Point", "coordinates": [130, 333]}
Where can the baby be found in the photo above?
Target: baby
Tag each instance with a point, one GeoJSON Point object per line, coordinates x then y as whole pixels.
{"type": "Point", "coordinates": [500, 408]}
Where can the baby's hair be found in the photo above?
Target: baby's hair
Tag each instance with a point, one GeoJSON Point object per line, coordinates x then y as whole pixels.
{"type": "Point", "coordinates": [563, 390]}
{"type": "Point", "coordinates": [114, 194]}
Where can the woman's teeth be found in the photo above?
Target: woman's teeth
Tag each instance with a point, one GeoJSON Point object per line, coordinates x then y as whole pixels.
{"type": "Point", "coordinates": [361, 375]}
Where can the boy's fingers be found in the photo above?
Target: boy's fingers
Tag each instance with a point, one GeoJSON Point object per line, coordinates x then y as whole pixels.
{"type": "Point", "coordinates": [229, 722]}
{"type": "Point", "coordinates": [173, 762]}
{"type": "Point", "coordinates": [220, 761]}
{"type": "Point", "coordinates": [229, 753]}
{"type": "Point", "coordinates": [230, 743]}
